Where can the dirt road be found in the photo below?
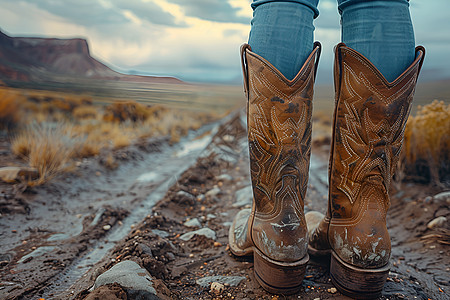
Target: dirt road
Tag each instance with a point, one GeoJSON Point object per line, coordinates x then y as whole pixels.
{"type": "Point", "coordinates": [57, 240]}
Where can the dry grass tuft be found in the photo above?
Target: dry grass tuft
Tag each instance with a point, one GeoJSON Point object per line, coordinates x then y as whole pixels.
{"type": "Point", "coordinates": [427, 143]}
{"type": "Point", "coordinates": [85, 112]}
{"type": "Point", "coordinates": [57, 127]}
{"type": "Point", "coordinates": [49, 149]}
{"type": "Point", "coordinates": [10, 112]}
{"type": "Point", "coordinates": [126, 111]}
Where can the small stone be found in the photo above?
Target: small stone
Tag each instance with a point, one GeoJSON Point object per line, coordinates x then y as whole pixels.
{"type": "Point", "coordinates": [193, 223]}
{"type": "Point", "coordinates": [230, 280]}
{"type": "Point", "coordinates": [243, 196]}
{"type": "Point", "coordinates": [444, 196]}
{"type": "Point", "coordinates": [224, 177]}
{"type": "Point", "coordinates": [217, 244]}
{"type": "Point", "coordinates": [161, 233]}
{"type": "Point", "coordinates": [207, 232]}
{"type": "Point", "coordinates": [170, 256]}
{"type": "Point", "coordinates": [107, 227]}
{"type": "Point", "coordinates": [98, 173]}
{"type": "Point", "coordinates": [210, 217]}
{"type": "Point", "coordinates": [213, 192]}
{"type": "Point", "coordinates": [436, 223]}
{"type": "Point", "coordinates": [332, 290]}
{"type": "Point", "coordinates": [217, 287]}
{"type": "Point", "coordinates": [184, 198]}
{"type": "Point", "coordinates": [228, 138]}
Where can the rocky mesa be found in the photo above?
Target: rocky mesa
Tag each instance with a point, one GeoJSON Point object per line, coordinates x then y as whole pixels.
{"type": "Point", "coordinates": [32, 59]}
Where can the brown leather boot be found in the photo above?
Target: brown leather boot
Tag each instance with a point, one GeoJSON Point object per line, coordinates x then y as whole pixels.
{"type": "Point", "coordinates": [369, 122]}
{"type": "Point", "coordinates": [279, 136]}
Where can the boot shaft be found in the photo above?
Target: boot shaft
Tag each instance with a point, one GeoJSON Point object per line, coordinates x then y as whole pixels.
{"type": "Point", "coordinates": [369, 123]}
{"type": "Point", "coordinates": [279, 135]}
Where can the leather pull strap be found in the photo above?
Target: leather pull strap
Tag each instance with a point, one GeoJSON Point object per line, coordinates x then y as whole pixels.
{"type": "Point", "coordinates": [420, 49]}
{"type": "Point", "coordinates": [244, 47]}
{"type": "Point", "coordinates": [316, 64]}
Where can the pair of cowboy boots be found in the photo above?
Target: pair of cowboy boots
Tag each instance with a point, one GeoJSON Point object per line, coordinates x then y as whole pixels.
{"type": "Point", "coordinates": [369, 121]}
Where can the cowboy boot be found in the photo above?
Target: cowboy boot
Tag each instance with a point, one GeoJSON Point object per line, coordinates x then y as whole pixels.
{"type": "Point", "coordinates": [279, 136]}
{"type": "Point", "coordinates": [369, 122]}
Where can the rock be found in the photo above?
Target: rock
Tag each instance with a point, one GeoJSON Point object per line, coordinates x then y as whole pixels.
{"type": "Point", "coordinates": [213, 192]}
{"type": "Point", "coordinates": [144, 249]}
{"type": "Point", "coordinates": [107, 227]}
{"type": "Point", "coordinates": [135, 280]}
{"type": "Point", "coordinates": [210, 217]}
{"type": "Point", "coordinates": [209, 233]}
{"type": "Point", "coordinates": [177, 271]}
{"type": "Point", "coordinates": [193, 223]}
{"type": "Point", "coordinates": [332, 290]}
{"type": "Point", "coordinates": [184, 198]}
{"type": "Point", "coordinates": [444, 196]}
{"type": "Point", "coordinates": [224, 177]}
{"type": "Point", "coordinates": [244, 197]}
{"type": "Point", "coordinates": [228, 138]}
{"type": "Point", "coordinates": [225, 280]}
{"type": "Point", "coordinates": [436, 223]}
{"type": "Point", "coordinates": [161, 233]}
{"type": "Point", "coordinates": [12, 174]}
{"type": "Point", "coordinates": [217, 287]}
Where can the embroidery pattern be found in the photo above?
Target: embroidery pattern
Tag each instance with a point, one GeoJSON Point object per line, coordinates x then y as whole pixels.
{"type": "Point", "coordinates": [370, 148]}
{"type": "Point", "coordinates": [279, 145]}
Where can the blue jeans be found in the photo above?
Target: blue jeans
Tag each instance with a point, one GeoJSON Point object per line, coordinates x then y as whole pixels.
{"type": "Point", "coordinates": [381, 30]}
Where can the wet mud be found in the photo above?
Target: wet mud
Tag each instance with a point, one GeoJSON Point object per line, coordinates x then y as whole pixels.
{"type": "Point", "coordinates": [206, 194]}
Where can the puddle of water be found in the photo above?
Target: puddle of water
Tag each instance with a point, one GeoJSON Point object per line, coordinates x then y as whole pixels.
{"type": "Point", "coordinates": [38, 252]}
{"type": "Point", "coordinates": [150, 177]}
{"type": "Point", "coordinates": [195, 145]}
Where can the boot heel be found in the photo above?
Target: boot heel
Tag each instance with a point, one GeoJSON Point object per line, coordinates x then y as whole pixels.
{"type": "Point", "coordinates": [279, 277]}
{"type": "Point", "coordinates": [356, 282]}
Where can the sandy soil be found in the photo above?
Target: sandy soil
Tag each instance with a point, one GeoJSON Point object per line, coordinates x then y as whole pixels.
{"type": "Point", "coordinates": [52, 220]}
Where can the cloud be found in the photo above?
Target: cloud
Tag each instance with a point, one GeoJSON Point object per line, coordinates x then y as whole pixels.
{"type": "Point", "coordinates": [81, 12]}
{"type": "Point", "coordinates": [150, 12]}
{"type": "Point", "coordinates": [106, 12]}
{"type": "Point", "coordinates": [212, 10]}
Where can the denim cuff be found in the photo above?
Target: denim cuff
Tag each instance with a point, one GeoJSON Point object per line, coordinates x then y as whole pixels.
{"type": "Point", "coordinates": [342, 4]}
{"type": "Point", "coordinates": [312, 4]}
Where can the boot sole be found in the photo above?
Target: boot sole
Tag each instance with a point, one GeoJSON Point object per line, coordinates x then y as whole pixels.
{"type": "Point", "coordinates": [279, 277]}
{"type": "Point", "coordinates": [356, 282]}
{"type": "Point", "coordinates": [274, 276]}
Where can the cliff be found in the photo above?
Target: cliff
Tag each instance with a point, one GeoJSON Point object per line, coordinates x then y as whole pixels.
{"type": "Point", "coordinates": [29, 58]}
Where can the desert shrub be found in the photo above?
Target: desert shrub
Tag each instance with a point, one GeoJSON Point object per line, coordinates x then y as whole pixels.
{"type": "Point", "coordinates": [427, 143]}
{"type": "Point", "coordinates": [47, 148]}
{"type": "Point", "coordinates": [10, 113]}
{"type": "Point", "coordinates": [85, 112]}
{"type": "Point", "coordinates": [124, 111]}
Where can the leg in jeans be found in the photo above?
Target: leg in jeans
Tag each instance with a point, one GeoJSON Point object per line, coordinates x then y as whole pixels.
{"type": "Point", "coordinates": [368, 125]}
{"type": "Point", "coordinates": [279, 126]}
{"type": "Point", "coordinates": [282, 32]}
{"type": "Point", "coordinates": [381, 31]}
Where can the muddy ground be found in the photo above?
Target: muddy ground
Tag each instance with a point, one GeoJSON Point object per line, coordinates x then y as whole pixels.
{"type": "Point", "coordinates": [58, 238]}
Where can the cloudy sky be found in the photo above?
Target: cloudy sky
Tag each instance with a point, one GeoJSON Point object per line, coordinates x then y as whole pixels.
{"type": "Point", "coordinates": [195, 40]}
